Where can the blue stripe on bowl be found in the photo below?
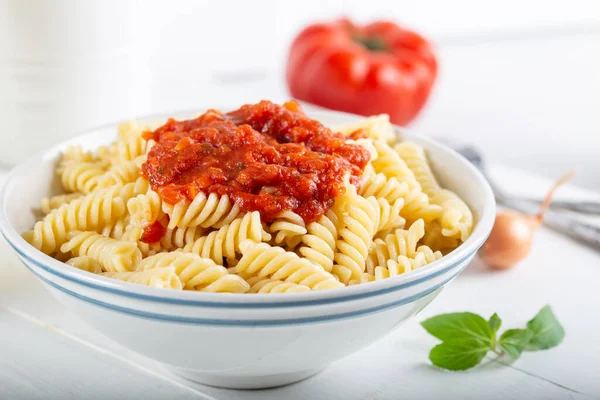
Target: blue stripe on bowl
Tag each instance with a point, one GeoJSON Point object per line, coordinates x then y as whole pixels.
{"type": "Point", "coordinates": [247, 323]}
{"type": "Point", "coordinates": [244, 305]}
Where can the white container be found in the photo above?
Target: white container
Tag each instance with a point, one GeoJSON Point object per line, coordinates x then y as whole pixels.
{"type": "Point", "coordinates": [67, 66]}
{"type": "Point", "coordinates": [70, 65]}
{"type": "Point", "coordinates": [240, 340]}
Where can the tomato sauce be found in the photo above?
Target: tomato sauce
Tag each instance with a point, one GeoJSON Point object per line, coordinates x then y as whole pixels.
{"type": "Point", "coordinates": [153, 232]}
{"type": "Point", "coordinates": [265, 157]}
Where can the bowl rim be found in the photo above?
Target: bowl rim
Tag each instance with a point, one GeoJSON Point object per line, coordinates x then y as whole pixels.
{"type": "Point", "coordinates": [237, 300]}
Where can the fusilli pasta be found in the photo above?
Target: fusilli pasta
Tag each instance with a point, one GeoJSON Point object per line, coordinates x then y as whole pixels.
{"type": "Point", "coordinates": [210, 211]}
{"type": "Point", "coordinates": [120, 174]}
{"type": "Point", "coordinates": [49, 204]}
{"type": "Point", "coordinates": [266, 285]}
{"type": "Point", "coordinates": [197, 273]}
{"type": "Point", "coordinates": [288, 228]}
{"type": "Point", "coordinates": [113, 255]}
{"type": "Point", "coordinates": [225, 242]}
{"type": "Point", "coordinates": [76, 153]}
{"type": "Point", "coordinates": [391, 165]}
{"type": "Point", "coordinates": [85, 263]}
{"type": "Point", "coordinates": [455, 217]}
{"type": "Point", "coordinates": [380, 186]}
{"type": "Point", "coordinates": [319, 244]}
{"type": "Point", "coordinates": [164, 277]}
{"type": "Point", "coordinates": [358, 225]}
{"type": "Point", "coordinates": [178, 238]}
{"type": "Point", "coordinates": [82, 177]}
{"type": "Point", "coordinates": [377, 127]}
{"type": "Point", "coordinates": [90, 212]}
{"type": "Point", "coordinates": [390, 220]}
{"type": "Point", "coordinates": [116, 228]}
{"type": "Point", "coordinates": [134, 234]}
{"type": "Point", "coordinates": [130, 144]}
{"type": "Point", "coordinates": [145, 208]}
{"type": "Point", "coordinates": [399, 243]}
{"type": "Point", "coordinates": [263, 260]}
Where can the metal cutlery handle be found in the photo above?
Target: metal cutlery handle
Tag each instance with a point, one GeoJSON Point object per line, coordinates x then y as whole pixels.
{"type": "Point", "coordinates": [564, 223]}
{"type": "Point", "coordinates": [579, 230]}
{"type": "Point", "coordinates": [473, 155]}
{"type": "Point", "coordinates": [584, 207]}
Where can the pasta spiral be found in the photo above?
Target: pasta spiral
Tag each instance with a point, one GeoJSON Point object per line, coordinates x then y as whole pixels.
{"type": "Point", "coordinates": [120, 174]}
{"type": "Point", "coordinates": [456, 218]}
{"type": "Point", "coordinates": [415, 159]}
{"type": "Point", "coordinates": [113, 255]}
{"type": "Point", "coordinates": [178, 238]}
{"type": "Point", "coordinates": [380, 186]}
{"type": "Point", "coordinates": [377, 127]}
{"type": "Point", "coordinates": [82, 177]}
{"type": "Point", "coordinates": [49, 204]}
{"type": "Point", "coordinates": [387, 216]}
{"type": "Point", "coordinates": [404, 264]}
{"type": "Point", "coordinates": [394, 268]}
{"type": "Point", "coordinates": [90, 212]}
{"type": "Point", "coordinates": [266, 285]}
{"type": "Point", "coordinates": [76, 153]}
{"type": "Point", "coordinates": [133, 189]}
{"type": "Point", "coordinates": [288, 227]}
{"type": "Point", "coordinates": [117, 228]}
{"type": "Point", "coordinates": [197, 273]}
{"type": "Point", "coordinates": [225, 242]}
{"type": "Point", "coordinates": [210, 211]}
{"type": "Point", "coordinates": [417, 206]}
{"type": "Point", "coordinates": [391, 165]}
{"type": "Point", "coordinates": [428, 254]}
{"type": "Point", "coordinates": [358, 221]}
{"type": "Point", "coordinates": [434, 239]}
{"type": "Point", "coordinates": [85, 263]}
{"type": "Point", "coordinates": [130, 143]}
{"type": "Point", "coordinates": [262, 260]}
{"type": "Point", "coordinates": [134, 234]}
{"type": "Point", "coordinates": [145, 208]}
{"type": "Point", "coordinates": [399, 243]}
{"type": "Point", "coordinates": [364, 278]}
{"type": "Point", "coordinates": [319, 244]}
{"type": "Point", "coordinates": [164, 277]}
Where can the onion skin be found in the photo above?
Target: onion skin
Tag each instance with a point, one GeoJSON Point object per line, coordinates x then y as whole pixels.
{"type": "Point", "coordinates": [511, 238]}
{"type": "Point", "coordinates": [510, 241]}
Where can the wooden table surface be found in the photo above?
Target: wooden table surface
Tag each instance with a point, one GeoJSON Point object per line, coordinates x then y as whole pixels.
{"type": "Point", "coordinates": [48, 353]}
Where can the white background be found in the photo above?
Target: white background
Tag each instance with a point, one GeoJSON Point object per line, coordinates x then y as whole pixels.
{"type": "Point", "coordinates": [518, 78]}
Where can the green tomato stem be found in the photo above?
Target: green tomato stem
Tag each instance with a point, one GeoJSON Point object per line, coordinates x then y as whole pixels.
{"type": "Point", "coordinates": [374, 44]}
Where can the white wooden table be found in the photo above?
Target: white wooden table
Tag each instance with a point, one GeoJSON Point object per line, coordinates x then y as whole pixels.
{"type": "Point", "coordinates": [518, 79]}
{"type": "Point", "coordinates": [48, 353]}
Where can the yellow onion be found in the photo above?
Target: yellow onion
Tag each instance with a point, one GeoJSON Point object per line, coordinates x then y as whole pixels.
{"type": "Point", "coordinates": [511, 238]}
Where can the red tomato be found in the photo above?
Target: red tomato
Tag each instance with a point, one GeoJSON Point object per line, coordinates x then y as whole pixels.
{"type": "Point", "coordinates": [372, 69]}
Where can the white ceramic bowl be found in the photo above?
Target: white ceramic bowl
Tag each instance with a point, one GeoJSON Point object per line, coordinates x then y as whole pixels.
{"type": "Point", "coordinates": [235, 340]}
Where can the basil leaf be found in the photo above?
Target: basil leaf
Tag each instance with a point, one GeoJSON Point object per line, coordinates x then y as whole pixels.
{"type": "Point", "coordinates": [459, 354]}
{"type": "Point", "coordinates": [513, 341]}
{"type": "Point", "coordinates": [459, 325]}
{"type": "Point", "coordinates": [495, 322]}
{"type": "Point", "coordinates": [547, 331]}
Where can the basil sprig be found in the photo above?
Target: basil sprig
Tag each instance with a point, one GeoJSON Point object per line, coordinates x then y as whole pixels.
{"type": "Point", "coordinates": [467, 337]}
